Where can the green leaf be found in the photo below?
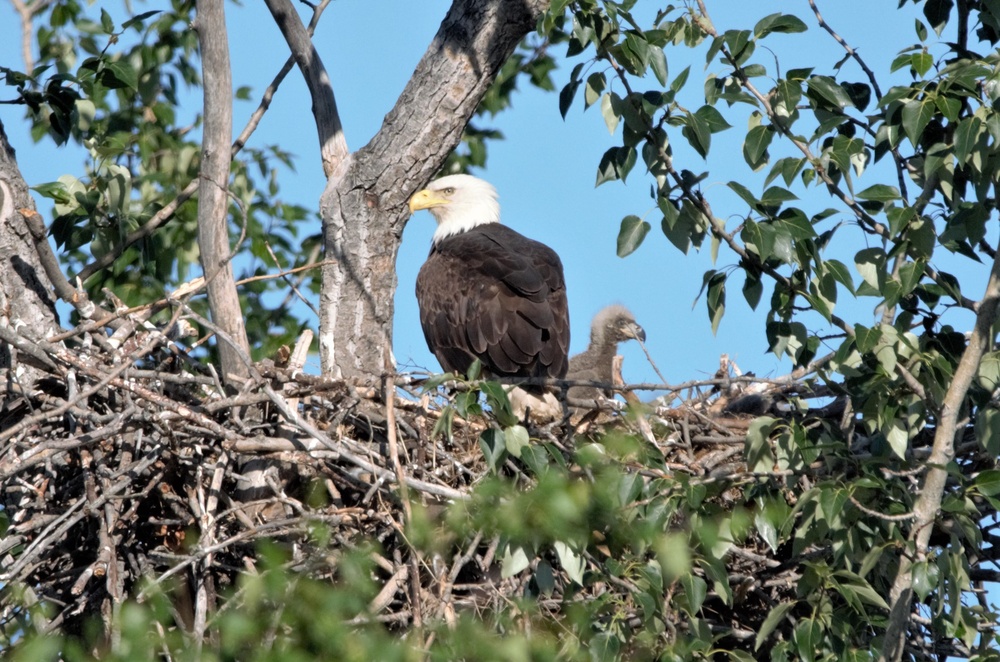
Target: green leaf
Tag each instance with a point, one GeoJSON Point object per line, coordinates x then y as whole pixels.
{"type": "Point", "coordinates": [760, 456]}
{"type": "Point", "coordinates": [716, 298]}
{"type": "Point", "coordinates": [631, 234]}
{"type": "Point", "coordinates": [695, 591]}
{"type": "Point", "coordinates": [967, 134]}
{"type": "Point", "coordinates": [594, 88]}
{"type": "Point", "coordinates": [566, 96]}
{"type": "Point", "coordinates": [712, 118]}
{"type": "Point", "coordinates": [574, 564]}
{"type": "Point", "coordinates": [738, 42]}
{"type": "Point", "coordinates": [865, 339]}
{"type": "Point", "coordinates": [870, 263]}
{"type": "Point", "coordinates": [899, 218]}
{"type": "Point", "coordinates": [139, 18]}
{"type": "Point", "coordinates": [988, 374]}
{"type": "Point", "coordinates": [515, 559]}
{"type": "Point", "coordinates": [767, 529]}
{"type": "Point", "coordinates": [916, 115]}
{"type": "Point", "coordinates": [515, 439]}
{"type": "Point", "coordinates": [988, 430]}
{"type": "Point", "coordinates": [788, 167]}
{"type": "Point", "coordinates": [921, 62]}
{"type": "Point", "coordinates": [841, 273]}
{"type": "Point", "coordinates": [658, 63]}
{"type": "Point", "coordinates": [896, 434]}
{"type": "Point", "coordinates": [609, 110]}
{"type": "Point", "coordinates": [988, 482]}
{"type": "Point", "coordinates": [775, 195]}
{"type": "Point", "coordinates": [859, 93]}
{"type": "Point", "coordinates": [753, 289]}
{"type": "Point", "coordinates": [758, 237]}
{"type": "Point", "coordinates": [755, 146]}
{"type": "Point", "coordinates": [787, 338]}
{"type": "Point", "coordinates": [789, 93]}
{"type": "Point", "coordinates": [879, 193]}
{"type": "Point", "coordinates": [106, 23]}
{"type": "Point", "coordinates": [793, 222]}
{"type": "Point", "coordinates": [808, 638]}
{"type": "Point", "coordinates": [493, 446]}
{"type": "Point", "coordinates": [773, 620]}
{"type": "Point", "coordinates": [925, 578]}
{"type": "Point", "coordinates": [499, 402]}
{"type": "Point", "coordinates": [475, 368]}
{"type": "Point", "coordinates": [937, 13]}
{"type": "Point", "coordinates": [118, 75]}
{"type": "Point", "coordinates": [682, 77]}
{"type": "Point", "coordinates": [785, 23]}
{"type": "Point", "coordinates": [861, 588]}
{"type": "Point", "coordinates": [698, 134]}
{"type": "Point", "coordinates": [744, 193]}
{"type": "Point", "coordinates": [684, 227]}
{"type": "Point", "coordinates": [54, 191]}
{"type": "Point", "coordinates": [713, 49]}
{"type": "Point", "coordinates": [826, 89]}
{"type": "Point", "coordinates": [607, 169]}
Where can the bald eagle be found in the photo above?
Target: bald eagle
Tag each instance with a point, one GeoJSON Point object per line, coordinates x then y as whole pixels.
{"type": "Point", "coordinates": [487, 292]}
{"type": "Point", "coordinates": [611, 326]}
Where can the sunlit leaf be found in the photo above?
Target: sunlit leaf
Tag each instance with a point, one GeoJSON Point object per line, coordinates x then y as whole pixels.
{"type": "Point", "coordinates": [786, 23]}
{"type": "Point", "coordinates": [879, 193]}
{"type": "Point", "coordinates": [916, 116]}
{"type": "Point", "coordinates": [756, 144]}
{"type": "Point", "coordinates": [574, 564]}
{"type": "Point", "coordinates": [633, 231]}
{"type": "Point", "coordinates": [773, 620]}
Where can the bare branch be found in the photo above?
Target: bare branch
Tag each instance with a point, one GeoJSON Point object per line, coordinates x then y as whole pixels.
{"type": "Point", "coordinates": [213, 199]}
{"type": "Point", "coordinates": [942, 453]}
{"type": "Point", "coordinates": [27, 14]}
{"type": "Point", "coordinates": [168, 210]}
{"type": "Point", "coordinates": [866, 220]}
{"type": "Point", "coordinates": [364, 208]}
{"type": "Point", "coordinates": [332, 145]}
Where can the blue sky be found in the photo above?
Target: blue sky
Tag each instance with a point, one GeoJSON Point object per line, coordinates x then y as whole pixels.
{"type": "Point", "coordinates": [545, 169]}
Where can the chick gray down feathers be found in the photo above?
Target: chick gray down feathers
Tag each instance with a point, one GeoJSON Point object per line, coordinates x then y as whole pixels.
{"type": "Point", "coordinates": [610, 326]}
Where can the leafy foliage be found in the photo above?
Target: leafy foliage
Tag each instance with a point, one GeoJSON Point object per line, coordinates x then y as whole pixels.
{"type": "Point", "coordinates": [913, 165]}
{"type": "Point", "coordinates": [620, 549]}
{"type": "Point", "coordinates": [116, 90]}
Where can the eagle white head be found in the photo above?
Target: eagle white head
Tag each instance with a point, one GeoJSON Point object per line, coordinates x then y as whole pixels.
{"type": "Point", "coordinates": [458, 204]}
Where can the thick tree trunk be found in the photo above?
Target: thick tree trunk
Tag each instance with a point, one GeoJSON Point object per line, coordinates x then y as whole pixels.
{"type": "Point", "coordinates": [364, 205]}
{"type": "Point", "coordinates": [27, 305]}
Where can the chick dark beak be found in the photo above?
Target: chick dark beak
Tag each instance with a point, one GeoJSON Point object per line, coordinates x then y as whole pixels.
{"type": "Point", "coordinates": [637, 332]}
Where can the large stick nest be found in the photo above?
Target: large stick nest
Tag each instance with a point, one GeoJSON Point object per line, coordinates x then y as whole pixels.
{"type": "Point", "coordinates": [130, 466]}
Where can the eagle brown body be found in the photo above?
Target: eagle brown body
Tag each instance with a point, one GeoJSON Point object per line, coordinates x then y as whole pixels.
{"type": "Point", "coordinates": [492, 294]}
{"type": "Point", "coordinates": [487, 292]}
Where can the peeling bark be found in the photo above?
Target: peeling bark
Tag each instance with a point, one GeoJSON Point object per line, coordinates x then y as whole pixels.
{"type": "Point", "coordinates": [332, 145]}
{"type": "Point", "coordinates": [213, 199]}
{"type": "Point", "coordinates": [364, 205]}
{"type": "Point", "coordinates": [942, 453]}
{"type": "Point", "coordinates": [27, 304]}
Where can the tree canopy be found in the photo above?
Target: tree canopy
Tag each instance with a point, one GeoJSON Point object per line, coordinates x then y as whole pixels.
{"type": "Point", "coordinates": [166, 496]}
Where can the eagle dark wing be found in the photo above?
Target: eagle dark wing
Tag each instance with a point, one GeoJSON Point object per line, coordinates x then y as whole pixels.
{"type": "Point", "coordinates": [491, 293]}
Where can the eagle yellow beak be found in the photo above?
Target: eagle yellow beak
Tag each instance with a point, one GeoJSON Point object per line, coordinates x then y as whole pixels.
{"type": "Point", "coordinates": [425, 199]}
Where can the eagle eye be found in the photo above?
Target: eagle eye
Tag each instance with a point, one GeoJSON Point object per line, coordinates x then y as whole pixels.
{"type": "Point", "coordinates": [448, 191]}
